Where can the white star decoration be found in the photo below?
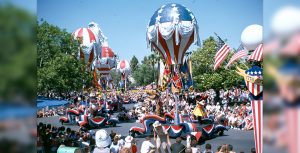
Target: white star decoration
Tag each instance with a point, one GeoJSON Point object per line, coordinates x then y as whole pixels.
{"type": "Point", "coordinates": [255, 72]}
{"type": "Point", "coordinates": [158, 18]}
{"type": "Point", "coordinates": [251, 72]}
{"type": "Point", "coordinates": [259, 72]}
{"type": "Point", "coordinates": [173, 5]}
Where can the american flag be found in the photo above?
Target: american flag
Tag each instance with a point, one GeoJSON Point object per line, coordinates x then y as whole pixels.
{"type": "Point", "coordinates": [292, 47]}
{"type": "Point", "coordinates": [237, 55]}
{"type": "Point", "coordinates": [223, 50]}
{"type": "Point", "coordinates": [257, 54]}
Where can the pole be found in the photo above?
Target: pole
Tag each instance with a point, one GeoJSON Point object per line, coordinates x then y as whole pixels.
{"type": "Point", "coordinates": [125, 81]}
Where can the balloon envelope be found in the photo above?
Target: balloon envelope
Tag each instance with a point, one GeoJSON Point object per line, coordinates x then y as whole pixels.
{"type": "Point", "coordinates": [252, 36]}
{"type": "Point", "coordinates": [171, 31]}
{"type": "Point", "coordinates": [286, 21]}
{"type": "Point", "coordinates": [87, 41]}
{"type": "Point", "coordinates": [124, 67]}
{"type": "Point", "coordinates": [100, 38]}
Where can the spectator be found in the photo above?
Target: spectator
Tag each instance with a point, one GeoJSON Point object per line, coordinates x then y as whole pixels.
{"type": "Point", "coordinates": [177, 147]}
{"type": "Point", "coordinates": [103, 141]}
{"type": "Point", "coordinates": [219, 149]}
{"type": "Point", "coordinates": [161, 137]}
{"type": "Point", "coordinates": [207, 148]}
{"type": "Point", "coordinates": [230, 148]}
{"type": "Point", "coordinates": [115, 146]}
{"type": "Point", "coordinates": [147, 146]}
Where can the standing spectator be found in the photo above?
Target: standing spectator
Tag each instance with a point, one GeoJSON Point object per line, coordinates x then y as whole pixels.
{"type": "Point", "coordinates": [147, 146]}
{"type": "Point", "coordinates": [161, 137]}
{"type": "Point", "coordinates": [177, 147]}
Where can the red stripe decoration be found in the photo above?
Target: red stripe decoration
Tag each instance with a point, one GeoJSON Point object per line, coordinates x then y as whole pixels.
{"type": "Point", "coordinates": [257, 108]}
{"type": "Point", "coordinates": [197, 135]}
{"type": "Point", "coordinates": [292, 48]}
{"type": "Point", "coordinates": [107, 52]}
{"type": "Point", "coordinates": [293, 127]}
{"type": "Point", "coordinates": [255, 89]}
{"type": "Point", "coordinates": [237, 56]}
{"type": "Point", "coordinates": [257, 54]}
{"type": "Point", "coordinates": [191, 40]}
{"type": "Point", "coordinates": [221, 55]}
{"type": "Point", "coordinates": [163, 43]}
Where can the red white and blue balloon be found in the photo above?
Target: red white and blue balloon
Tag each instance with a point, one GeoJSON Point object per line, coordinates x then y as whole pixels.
{"type": "Point", "coordinates": [124, 68]}
{"type": "Point", "coordinates": [100, 37]}
{"type": "Point", "coordinates": [108, 56]}
{"type": "Point", "coordinates": [87, 41]}
{"type": "Point", "coordinates": [171, 31]}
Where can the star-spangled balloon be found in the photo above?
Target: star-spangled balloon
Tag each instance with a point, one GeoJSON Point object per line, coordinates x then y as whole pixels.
{"type": "Point", "coordinates": [171, 30]}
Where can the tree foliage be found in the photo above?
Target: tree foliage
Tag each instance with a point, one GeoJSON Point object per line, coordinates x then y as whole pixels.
{"type": "Point", "coordinates": [17, 55]}
{"type": "Point", "coordinates": [59, 70]}
{"type": "Point", "coordinates": [146, 72]}
{"type": "Point", "coordinates": [134, 63]}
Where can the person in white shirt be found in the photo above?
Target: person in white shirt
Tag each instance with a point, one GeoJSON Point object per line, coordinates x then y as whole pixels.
{"type": "Point", "coordinates": [147, 146]}
{"type": "Point", "coordinates": [115, 146]}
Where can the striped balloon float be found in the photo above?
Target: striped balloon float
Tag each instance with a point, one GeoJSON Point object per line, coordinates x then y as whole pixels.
{"type": "Point", "coordinates": [171, 31]}
{"type": "Point", "coordinates": [87, 41]}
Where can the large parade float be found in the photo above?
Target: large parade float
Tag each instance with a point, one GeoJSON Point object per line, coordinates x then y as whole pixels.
{"type": "Point", "coordinates": [170, 32]}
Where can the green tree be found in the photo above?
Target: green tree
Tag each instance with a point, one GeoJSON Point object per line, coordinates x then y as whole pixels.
{"type": "Point", "coordinates": [59, 70]}
{"type": "Point", "coordinates": [134, 63]}
{"type": "Point", "coordinates": [17, 55]}
{"type": "Point", "coordinates": [146, 72]}
{"type": "Point", "coordinates": [203, 74]}
{"type": "Point", "coordinates": [153, 60]}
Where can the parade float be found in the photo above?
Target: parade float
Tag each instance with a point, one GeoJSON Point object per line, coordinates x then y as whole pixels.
{"type": "Point", "coordinates": [171, 31]}
{"type": "Point", "coordinates": [124, 68]}
{"type": "Point", "coordinates": [186, 126]}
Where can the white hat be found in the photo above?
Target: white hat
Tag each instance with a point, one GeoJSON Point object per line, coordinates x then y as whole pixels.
{"type": "Point", "coordinates": [129, 139]}
{"type": "Point", "coordinates": [156, 124]}
{"type": "Point", "coordinates": [102, 138]}
{"type": "Point", "coordinates": [79, 98]}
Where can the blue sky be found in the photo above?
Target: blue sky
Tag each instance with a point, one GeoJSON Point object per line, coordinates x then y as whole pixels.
{"type": "Point", "coordinates": [125, 22]}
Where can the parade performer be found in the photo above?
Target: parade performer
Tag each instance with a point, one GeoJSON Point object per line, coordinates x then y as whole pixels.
{"type": "Point", "coordinates": [199, 111]}
{"type": "Point", "coordinates": [161, 137]}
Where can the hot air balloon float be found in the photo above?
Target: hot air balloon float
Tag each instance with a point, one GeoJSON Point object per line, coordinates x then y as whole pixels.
{"type": "Point", "coordinates": [252, 39]}
{"type": "Point", "coordinates": [87, 40]}
{"type": "Point", "coordinates": [103, 65]}
{"type": "Point", "coordinates": [124, 69]}
{"type": "Point", "coordinates": [171, 31]}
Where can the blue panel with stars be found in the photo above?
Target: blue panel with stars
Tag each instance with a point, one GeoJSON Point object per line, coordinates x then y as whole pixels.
{"type": "Point", "coordinates": [168, 12]}
{"type": "Point", "coordinates": [255, 71]}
